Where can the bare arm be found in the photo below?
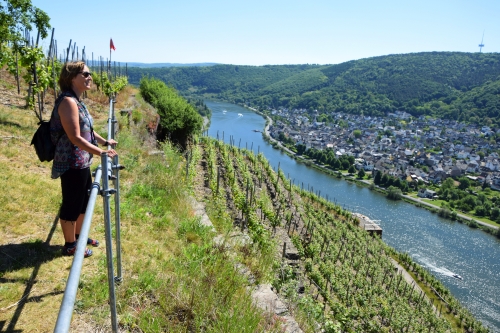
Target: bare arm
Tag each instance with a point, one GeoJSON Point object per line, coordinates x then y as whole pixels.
{"type": "Point", "coordinates": [68, 112]}
{"type": "Point", "coordinates": [102, 141]}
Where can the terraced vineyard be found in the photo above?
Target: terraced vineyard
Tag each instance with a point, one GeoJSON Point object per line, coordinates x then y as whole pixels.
{"type": "Point", "coordinates": [345, 280]}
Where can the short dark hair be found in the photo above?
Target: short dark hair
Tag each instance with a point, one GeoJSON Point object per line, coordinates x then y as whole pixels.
{"type": "Point", "coordinates": [68, 72]}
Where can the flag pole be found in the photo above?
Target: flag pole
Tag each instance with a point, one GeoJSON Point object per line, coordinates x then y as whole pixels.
{"type": "Point", "coordinates": [109, 66]}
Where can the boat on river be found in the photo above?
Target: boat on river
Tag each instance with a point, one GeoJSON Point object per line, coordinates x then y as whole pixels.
{"type": "Point", "coordinates": [456, 276]}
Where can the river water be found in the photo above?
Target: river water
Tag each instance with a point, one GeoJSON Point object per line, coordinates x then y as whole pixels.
{"type": "Point", "coordinates": [442, 246]}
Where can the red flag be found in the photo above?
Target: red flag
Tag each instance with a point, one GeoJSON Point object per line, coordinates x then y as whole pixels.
{"type": "Point", "coordinates": [111, 45]}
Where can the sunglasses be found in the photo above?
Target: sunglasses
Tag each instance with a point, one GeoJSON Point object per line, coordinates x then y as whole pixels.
{"type": "Point", "coordinates": [85, 74]}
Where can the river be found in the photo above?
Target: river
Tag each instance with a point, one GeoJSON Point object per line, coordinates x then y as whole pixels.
{"type": "Point", "coordinates": [442, 246]}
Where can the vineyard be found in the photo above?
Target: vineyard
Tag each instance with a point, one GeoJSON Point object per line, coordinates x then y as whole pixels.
{"type": "Point", "coordinates": [335, 276]}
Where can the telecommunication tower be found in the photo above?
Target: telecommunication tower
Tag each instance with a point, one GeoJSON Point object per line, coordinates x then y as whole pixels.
{"type": "Point", "coordinates": [481, 45]}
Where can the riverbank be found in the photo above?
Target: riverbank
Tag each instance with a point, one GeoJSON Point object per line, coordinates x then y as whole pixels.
{"type": "Point", "coordinates": [487, 227]}
{"type": "Point", "coordinates": [441, 246]}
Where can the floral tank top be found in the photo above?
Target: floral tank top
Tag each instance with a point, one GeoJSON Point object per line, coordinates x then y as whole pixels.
{"type": "Point", "coordinates": [67, 155]}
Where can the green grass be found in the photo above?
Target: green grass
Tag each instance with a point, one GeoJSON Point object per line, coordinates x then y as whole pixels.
{"type": "Point", "coordinates": [175, 279]}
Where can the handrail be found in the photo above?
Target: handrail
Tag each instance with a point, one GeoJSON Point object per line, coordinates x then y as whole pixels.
{"type": "Point", "coordinates": [111, 172]}
{"type": "Point", "coordinates": [68, 302]}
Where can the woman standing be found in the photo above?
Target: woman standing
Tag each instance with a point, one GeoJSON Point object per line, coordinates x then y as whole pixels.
{"type": "Point", "coordinates": [76, 142]}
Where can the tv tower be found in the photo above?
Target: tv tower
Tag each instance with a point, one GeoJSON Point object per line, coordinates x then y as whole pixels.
{"type": "Point", "coordinates": [481, 45]}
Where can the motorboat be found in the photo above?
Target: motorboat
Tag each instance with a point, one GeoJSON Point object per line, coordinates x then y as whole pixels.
{"type": "Point", "coordinates": [240, 114]}
{"type": "Point", "coordinates": [456, 276]}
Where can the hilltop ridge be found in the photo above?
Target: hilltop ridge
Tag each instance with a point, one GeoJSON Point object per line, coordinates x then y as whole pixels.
{"type": "Point", "coordinates": [453, 85]}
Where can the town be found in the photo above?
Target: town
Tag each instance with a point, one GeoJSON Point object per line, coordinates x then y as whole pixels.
{"type": "Point", "coordinates": [414, 149]}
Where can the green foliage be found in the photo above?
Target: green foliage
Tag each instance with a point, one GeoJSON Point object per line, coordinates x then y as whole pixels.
{"type": "Point", "coordinates": [31, 63]}
{"type": "Point", "coordinates": [453, 85]}
{"type": "Point", "coordinates": [464, 183]}
{"type": "Point", "coordinates": [394, 193]}
{"type": "Point", "coordinates": [344, 269]}
{"type": "Point", "coordinates": [361, 173]}
{"type": "Point", "coordinates": [179, 120]}
{"type": "Point", "coordinates": [109, 88]}
{"type": "Point", "coordinates": [18, 15]}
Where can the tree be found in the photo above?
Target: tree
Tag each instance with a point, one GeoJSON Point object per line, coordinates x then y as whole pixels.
{"type": "Point", "coordinates": [481, 211]}
{"type": "Point", "coordinates": [351, 159]}
{"type": "Point", "coordinates": [464, 183]}
{"type": "Point", "coordinates": [447, 183]}
{"type": "Point", "coordinates": [179, 120]}
{"type": "Point", "coordinates": [495, 213]}
{"type": "Point", "coordinates": [345, 164]}
{"type": "Point", "coordinates": [361, 173]}
{"type": "Point", "coordinates": [336, 164]}
{"type": "Point", "coordinates": [378, 178]}
{"type": "Point", "coordinates": [301, 148]}
{"type": "Point", "coordinates": [384, 180]}
{"type": "Point", "coordinates": [352, 169]}
{"type": "Point", "coordinates": [394, 193]}
{"type": "Point", "coordinates": [18, 15]}
{"type": "Point", "coordinates": [357, 133]}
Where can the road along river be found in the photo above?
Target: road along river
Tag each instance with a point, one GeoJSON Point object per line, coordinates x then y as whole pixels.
{"type": "Point", "coordinates": [442, 246]}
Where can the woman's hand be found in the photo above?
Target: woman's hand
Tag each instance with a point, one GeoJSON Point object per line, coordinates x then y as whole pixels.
{"type": "Point", "coordinates": [110, 152]}
{"type": "Point", "coordinates": [112, 142]}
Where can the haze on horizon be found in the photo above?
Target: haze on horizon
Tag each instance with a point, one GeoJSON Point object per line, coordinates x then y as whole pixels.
{"type": "Point", "coordinates": [272, 32]}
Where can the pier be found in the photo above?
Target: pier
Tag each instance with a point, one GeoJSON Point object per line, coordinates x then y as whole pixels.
{"type": "Point", "coordinates": [367, 224]}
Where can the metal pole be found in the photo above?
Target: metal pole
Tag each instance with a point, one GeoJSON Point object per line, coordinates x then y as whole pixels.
{"type": "Point", "coordinates": [111, 124]}
{"type": "Point", "coordinates": [116, 173]}
{"type": "Point", "coordinates": [68, 303]}
{"type": "Point", "coordinates": [106, 193]}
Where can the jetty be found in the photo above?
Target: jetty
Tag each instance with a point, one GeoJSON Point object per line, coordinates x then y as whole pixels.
{"type": "Point", "coordinates": [369, 225]}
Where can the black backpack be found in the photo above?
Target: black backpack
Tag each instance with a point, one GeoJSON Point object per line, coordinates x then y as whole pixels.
{"type": "Point", "coordinates": [44, 147]}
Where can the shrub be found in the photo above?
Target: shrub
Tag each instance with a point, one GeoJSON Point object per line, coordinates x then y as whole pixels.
{"type": "Point", "coordinates": [394, 193]}
{"type": "Point", "coordinates": [179, 120]}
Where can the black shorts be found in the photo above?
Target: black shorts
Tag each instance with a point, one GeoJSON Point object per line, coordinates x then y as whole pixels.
{"type": "Point", "coordinates": [75, 184]}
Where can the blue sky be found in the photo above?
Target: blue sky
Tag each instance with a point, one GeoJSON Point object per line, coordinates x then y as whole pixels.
{"type": "Point", "coordinates": [261, 32]}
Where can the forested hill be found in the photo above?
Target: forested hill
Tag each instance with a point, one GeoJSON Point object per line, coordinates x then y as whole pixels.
{"type": "Point", "coordinates": [455, 85]}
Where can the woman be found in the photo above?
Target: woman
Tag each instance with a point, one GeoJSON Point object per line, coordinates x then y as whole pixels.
{"type": "Point", "coordinates": [76, 142]}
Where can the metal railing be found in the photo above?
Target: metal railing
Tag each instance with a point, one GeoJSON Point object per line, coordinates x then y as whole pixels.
{"type": "Point", "coordinates": [107, 170]}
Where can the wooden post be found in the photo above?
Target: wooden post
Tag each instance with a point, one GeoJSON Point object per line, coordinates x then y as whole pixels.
{"type": "Point", "coordinates": [51, 47]}
{"type": "Point", "coordinates": [218, 178]}
{"type": "Point", "coordinates": [54, 79]}
{"type": "Point", "coordinates": [17, 75]}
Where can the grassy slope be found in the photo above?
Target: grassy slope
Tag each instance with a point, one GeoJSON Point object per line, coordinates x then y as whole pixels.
{"type": "Point", "coordinates": [175, 279]}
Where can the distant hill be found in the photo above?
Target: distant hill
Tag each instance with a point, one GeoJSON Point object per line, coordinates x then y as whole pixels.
{"type": "Point", "coordinates": [454, 85]}
{"type": "Point", "coordinates": [167, 64]}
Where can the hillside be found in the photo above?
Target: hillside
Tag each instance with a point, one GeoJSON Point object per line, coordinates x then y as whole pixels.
{"type": "Point", "coordinates": [176, 279]}
{"type": "Point", "coordinates": [182, 276]}
{"type": "Point", "coordinates": [455, 85]}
